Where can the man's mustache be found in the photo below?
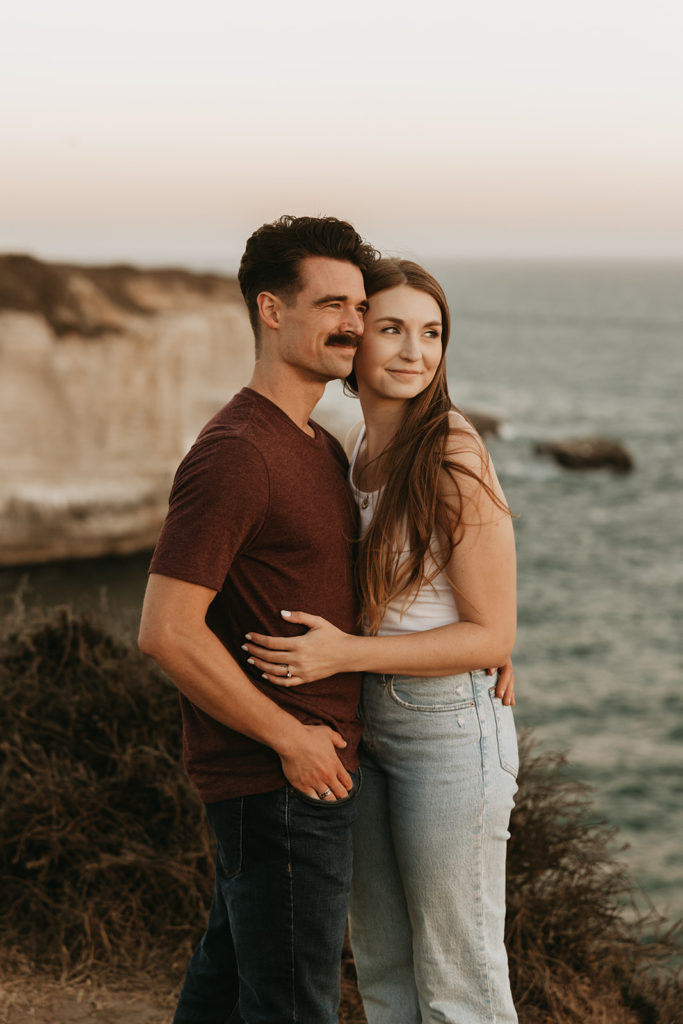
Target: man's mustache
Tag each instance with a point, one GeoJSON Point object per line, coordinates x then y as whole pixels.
{"type": "Point", "coordinates": [344, 339]}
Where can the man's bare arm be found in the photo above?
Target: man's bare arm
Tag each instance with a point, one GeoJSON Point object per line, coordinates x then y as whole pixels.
{"type": "Point", "coordinates": [174, 633]}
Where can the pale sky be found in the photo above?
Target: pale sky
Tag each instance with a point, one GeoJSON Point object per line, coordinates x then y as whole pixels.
{"type": "Point", "coordinates": [165, 132]}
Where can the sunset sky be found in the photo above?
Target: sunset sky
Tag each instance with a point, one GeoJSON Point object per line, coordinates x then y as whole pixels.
{"type": "Point", "coordinates": [167, 132]}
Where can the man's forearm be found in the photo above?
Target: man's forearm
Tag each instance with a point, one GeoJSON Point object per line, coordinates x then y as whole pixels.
{"type": "Point", "coordinates": [173, 631]}
{"type": "Point", "coordinates": [203, 670]}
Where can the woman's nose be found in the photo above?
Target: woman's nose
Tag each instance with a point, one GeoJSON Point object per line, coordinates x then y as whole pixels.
{"type": "Point", "coordinates": [411, 348]}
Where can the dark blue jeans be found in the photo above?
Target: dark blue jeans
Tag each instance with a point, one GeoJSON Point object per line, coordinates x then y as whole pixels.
{"type": "Point", "coordinates": [272, 949]}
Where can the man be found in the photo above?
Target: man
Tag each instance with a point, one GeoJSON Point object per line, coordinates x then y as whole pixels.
{"type": "Point", "coordinates": [260, 520]}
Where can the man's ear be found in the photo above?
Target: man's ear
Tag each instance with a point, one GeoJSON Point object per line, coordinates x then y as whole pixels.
{"type": "Point", "coordinates": [269, 309]}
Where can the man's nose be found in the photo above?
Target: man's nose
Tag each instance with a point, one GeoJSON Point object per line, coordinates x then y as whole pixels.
{"type": "Point", "coordinates": [353, 322]}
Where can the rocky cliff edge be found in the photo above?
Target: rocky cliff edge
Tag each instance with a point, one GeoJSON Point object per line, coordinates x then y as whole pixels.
{"type": "Point", "coordinates": [106, 376]}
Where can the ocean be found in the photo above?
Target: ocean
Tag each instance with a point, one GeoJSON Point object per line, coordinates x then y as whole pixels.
{"type": "Point", "coordinates": [562, 350]}
{"type": "Point", "coordinates": [569, 350]}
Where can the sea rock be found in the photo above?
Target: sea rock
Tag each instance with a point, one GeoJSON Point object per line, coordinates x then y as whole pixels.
{"type": "Point", "coordinates": [107, 374]}
{"type": "Point", "coordinates": [588, 453]}
{"type": "Point", "coordinates": [484, 423]}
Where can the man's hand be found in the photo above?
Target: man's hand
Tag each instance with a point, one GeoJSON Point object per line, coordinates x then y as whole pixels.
{"type": "Point", "coordinates": [174, 632]}
{"type": "Point", "coordinates": [505, 687]}
{"type": "Point", "coordinates": [313, 766]}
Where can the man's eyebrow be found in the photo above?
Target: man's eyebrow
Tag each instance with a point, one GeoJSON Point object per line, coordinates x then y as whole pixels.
{"type": "Point", "coordinates": [338, 298]}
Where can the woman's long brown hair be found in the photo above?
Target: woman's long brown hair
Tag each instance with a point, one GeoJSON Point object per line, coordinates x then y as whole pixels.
{"type": "Point", "coordinates": [409, 512]}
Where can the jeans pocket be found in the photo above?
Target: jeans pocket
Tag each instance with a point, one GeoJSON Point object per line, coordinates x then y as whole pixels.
{"type": "Point", "coordinates": [431, 694]}
{"type": "Point", "coordinates": [506, 734]}
{"type": "Point", "coordinates": [226, 819]}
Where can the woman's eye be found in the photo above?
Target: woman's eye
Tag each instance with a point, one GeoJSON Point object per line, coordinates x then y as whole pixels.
{"type": "Point", "coordinates": [390, 330]}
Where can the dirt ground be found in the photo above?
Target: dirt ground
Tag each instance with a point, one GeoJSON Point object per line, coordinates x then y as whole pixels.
{"type": "Point", "coordinates": [39, 999]}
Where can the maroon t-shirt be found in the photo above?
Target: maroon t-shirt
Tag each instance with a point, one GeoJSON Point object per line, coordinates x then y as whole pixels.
{"type": "Point", "coordinates": [262, 513]}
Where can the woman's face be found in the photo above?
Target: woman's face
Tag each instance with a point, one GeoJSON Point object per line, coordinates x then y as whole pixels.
{"type": "Point", "coordinates": [401, 345]}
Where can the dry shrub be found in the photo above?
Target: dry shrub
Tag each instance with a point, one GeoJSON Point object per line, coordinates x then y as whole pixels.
{"type": "Point", "coordinates": [579, 949]}
{"type": "Point", "coordinates": [105, 860]}
{"type": "Point", "coordinates": [103, 850]}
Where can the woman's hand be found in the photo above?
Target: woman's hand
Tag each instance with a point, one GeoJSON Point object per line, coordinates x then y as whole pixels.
{"type": "Point", "coordinates": [505, 687]}
{"type": "Point", "coordinates": [292, 660]}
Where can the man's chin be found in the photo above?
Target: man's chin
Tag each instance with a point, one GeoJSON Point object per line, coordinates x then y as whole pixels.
{"type": "Point", "coordinates": [343, 361]}
{"type": "Point", "coordinates": [332, 369]}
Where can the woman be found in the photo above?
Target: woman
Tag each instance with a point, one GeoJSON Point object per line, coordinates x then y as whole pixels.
{"type": "Point", "coordinates": [436, 576]}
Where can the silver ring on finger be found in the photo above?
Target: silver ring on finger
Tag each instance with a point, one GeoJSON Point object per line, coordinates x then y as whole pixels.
{"type": "Point", "coordinates": [325, 793]}
{"type": "Point", "coordinates": [288, 671]}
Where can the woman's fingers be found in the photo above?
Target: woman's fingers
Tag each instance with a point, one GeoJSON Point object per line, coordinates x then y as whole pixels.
{"type": "Point", "coordinates": [272, 643]}
{"type": "Point", "coordinates": [316, 654]}
{"type": "Point", "coordinates": [281, 642]}
{"type": "Point", "coordinates": [505, 688]}
{"type": "Point", "coordinates": [507, 697]}
{"type": "Point", "coordinates": [302, 618]}
{"type": "Point", "coordinates": [275, 667]}
{"type": "Point", "coordinates": [282, 680]}
{"type": "Point", "coordinates": [276, 671]}
{"type": "Point", "coordinates": [278, 657]}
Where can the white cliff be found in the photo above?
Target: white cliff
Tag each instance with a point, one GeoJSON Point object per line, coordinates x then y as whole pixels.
{"type": "Point", "coordinates": [106, 376]}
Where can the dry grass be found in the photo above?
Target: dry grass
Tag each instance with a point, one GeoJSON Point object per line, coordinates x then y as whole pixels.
{"type": "Point", "coordinates": [106, 863]}
{"type": "Point", "coordinates": [575, 955]}
{"type": "Point", "coordinates": [103, 847]}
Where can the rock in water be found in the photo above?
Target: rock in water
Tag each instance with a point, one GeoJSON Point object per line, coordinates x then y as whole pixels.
{"type": "Point", "coordinates": [588, 453]}
{"type": "Point", "coordinates": [484, 423]}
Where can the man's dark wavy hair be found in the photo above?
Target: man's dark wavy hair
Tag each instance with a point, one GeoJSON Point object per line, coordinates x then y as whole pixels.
{"type": "Point", "coordinates": [273, 255]}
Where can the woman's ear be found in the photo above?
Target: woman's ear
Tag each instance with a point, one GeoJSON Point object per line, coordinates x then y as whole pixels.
{"type": "Point", "coordinates": [269, 309]}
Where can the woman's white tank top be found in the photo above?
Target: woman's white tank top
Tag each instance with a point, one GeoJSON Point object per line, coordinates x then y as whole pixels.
{"type": "Point", "coordinates": [435, 603]}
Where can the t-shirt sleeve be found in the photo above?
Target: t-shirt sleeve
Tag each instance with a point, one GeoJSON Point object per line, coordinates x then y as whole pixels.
{"type": "Point", "coordinates": [218, 503]}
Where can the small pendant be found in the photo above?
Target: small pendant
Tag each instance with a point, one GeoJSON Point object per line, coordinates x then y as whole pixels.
{"type": "Point", "coordinates": [365, 502]}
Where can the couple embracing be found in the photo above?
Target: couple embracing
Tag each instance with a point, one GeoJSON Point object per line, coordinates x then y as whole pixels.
{"type": "Point", "coordinates": [299, 597]}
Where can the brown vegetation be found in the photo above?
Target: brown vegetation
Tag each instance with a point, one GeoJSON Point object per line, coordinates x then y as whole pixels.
{"type": "Point", "coordinates": [579, 949]}
{"type": "Point", "coordinates": [105, 861]}
{"type": "Point", "coordinates": [91, 301]}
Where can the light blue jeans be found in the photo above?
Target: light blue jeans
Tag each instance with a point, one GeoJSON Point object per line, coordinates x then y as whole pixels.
{"type": "Point", "coordinates": [428, 893]}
